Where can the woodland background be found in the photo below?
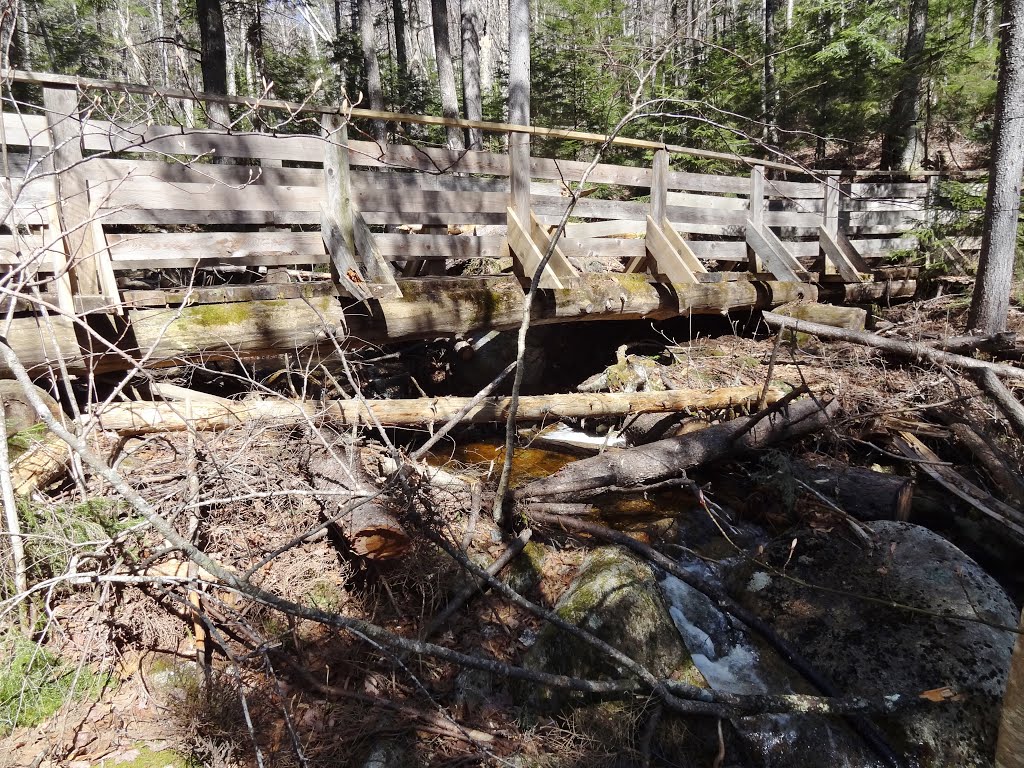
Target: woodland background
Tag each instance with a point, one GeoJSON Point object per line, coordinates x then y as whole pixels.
{"type": "Point", "coordinates": [831, 83]}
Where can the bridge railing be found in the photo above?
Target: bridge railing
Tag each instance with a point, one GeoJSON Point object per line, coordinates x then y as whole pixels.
{"type": "Point", "coordinates": [93, 201]}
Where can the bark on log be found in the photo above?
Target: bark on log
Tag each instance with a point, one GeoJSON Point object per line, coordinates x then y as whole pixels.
{"type": "Point", "coordinates": [929, 463]}
{"type": "Point", "coordinates": [370, 529]}
{"type": "Point", "coordinates": [868, 293]}
{"type": "Point", "coordinates": [909, 349]}
{"type": "Point", "coordinates": [428, 308]}
{"type": "Point", "coordinates": [43, 463]}
{"type": "Point", "coordinates": [1004, 398]}
{"type": "Point", "coordinates": [667, 459]}
{"type": "Point", "coordinates": [853, 318]}
{"type": "Point", "coordinates": [1010, 741]}
{"type": "Point", "coordinates": [999, 467]}
{"type": "Point", "coordinates": [990, 344]}
{"type": "Point", "coordinates": [146, 417]}
{"type": "Point", "coordinates": [860, 492]}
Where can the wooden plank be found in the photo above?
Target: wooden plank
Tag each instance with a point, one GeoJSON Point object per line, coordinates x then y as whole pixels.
{"type": "Point", "coordinates": [778, 260]}
{"type": "Point", "coordinates": [152, 194]}
{"type": "Point", "coordinates": [576, 248]}
{"type": "Point", "coordinates": [682, 248]}
{"type": "Point", "coordinates": [22, 130]}
{"type": "Point", "coordinates": [376, 269]}
{"type": "Point", "coordinates": [403, 202]}
{"type": "Point", "coordinates": [837, 256]}
{"type": "Point", "coordinates": [72, 194]}
{"type": "Point", "coordinates": [830, 215]}
{"type": "Point", "coordinates": [703, 182]}
{"type": "Point", "coordinates": [104, 269]}
{"type": "Point", "coordinates": [850, 252]}
{"type": "Point", "coordinates": [792, 189]}
{"type": "Point", "coordinates": [604, 229]}
{"type": "Point", "coordinates": [165, 250]}
{"type": "Point", "coordinates": [685, 199]}
{"type": "Point", "coordinates": [755, 215]}
{"type": "Point", "coordinates": [184, 172]}
{"type": "Point", "coordinates": [889, 189]}
{"type": "Point", "coordinates": [528, 257]}
{"type": "Point", "coordinates": [105, 136]}
{"type": "Point", "coordinates": [667, 266]}
{"type": "Point", "coordinates": [347, 276]}
{"type": "Point", "coordinates": [439, 247]}
{"type": "Point", "coordinates": [558, 262]}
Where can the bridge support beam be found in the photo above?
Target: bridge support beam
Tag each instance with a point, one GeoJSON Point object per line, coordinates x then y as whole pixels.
{"type": "Point", "coordinates": [317, 319]}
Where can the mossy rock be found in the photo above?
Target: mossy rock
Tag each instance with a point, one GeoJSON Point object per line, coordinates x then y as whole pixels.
{"type": "Point", "coordinates": [616, 597]}
{"type": "Point", "coordinates": [19, 415]}
{"type": "Point", "coordinates": [524, 573]}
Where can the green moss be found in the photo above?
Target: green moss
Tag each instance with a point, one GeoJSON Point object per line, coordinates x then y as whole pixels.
{"type": "Point", "coordinates": [616, 597]}
{"type": "Point", "coordinates": [35, 683]}
{"type": "Point", "coordinates": [524, 573]}
{"type": "Point", "coordinates": [213, 315]}
{"type": "Point", "coordinates": [147, 758]}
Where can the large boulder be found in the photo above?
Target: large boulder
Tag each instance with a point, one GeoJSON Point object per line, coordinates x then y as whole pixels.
{"type": "Point", "coordinates": [854, 631]}
{"type": "Point", "coordinates": [616, 597]}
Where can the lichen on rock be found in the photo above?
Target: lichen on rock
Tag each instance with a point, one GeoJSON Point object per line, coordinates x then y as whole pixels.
{"type": "Point", "coordinates": [616, 597]}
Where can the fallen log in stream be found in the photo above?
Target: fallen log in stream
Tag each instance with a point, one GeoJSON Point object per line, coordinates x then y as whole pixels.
{"type": "Point", "coordinates": [147, 417]}
{"type": "Point", "coordinates": [665, 460]}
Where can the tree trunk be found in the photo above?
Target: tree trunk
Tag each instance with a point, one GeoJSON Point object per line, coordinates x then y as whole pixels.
{"type": "Point", "coordinates": [899, 145]}
{"type": "Point", "coordinates": [909, 349]}
{"type": "Point", "coordinates": [991, 301]}
{"type": "Point", "coordinates": [669, 459]}
{"type": "Point", "coordinates": [369, 528]}
{"type": "Point", "coordinates": [1010, 743]}
{"type": "Point", "coordinates": [860, 492]}
{"type": "Point", "coordinates": [471, 70]}
{"type": "Point", "coordinates": [401, 52]}
{"type": "Point", "coordinates": [147, 417]}
{"type": "Point", "coordinates": [374, 90]}
{"type": "Point", "coordinates": [213, 57]}
{"type": "Point", "coordinates": [770, 132]}
{"type": "Point", "coordinates": [445, 71]}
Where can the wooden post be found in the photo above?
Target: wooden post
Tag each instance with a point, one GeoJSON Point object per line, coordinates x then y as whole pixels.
{"type": "Point", "coordinates": [61, 105]}
{"type": "Point", "coordinates": [659, 201]}
{"type": "Point", "coordinates": [659, 185]}
{"type": "Point", "coordinates": [336, 212]}
{"type": "Point", "coordinates": [519, 105]}
{"type": "Point", "coordinates": [829, 218]}
{"type": "Point", "coordinates": [338, 176]}
{"type": "Point", "coordinates": [756, 217]}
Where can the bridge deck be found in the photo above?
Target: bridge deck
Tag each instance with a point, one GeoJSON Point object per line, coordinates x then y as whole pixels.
{"type": "Point", "coordinates": [150, 235]}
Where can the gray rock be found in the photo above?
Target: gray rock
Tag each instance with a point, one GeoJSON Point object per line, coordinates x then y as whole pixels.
{"type": "Point", "coordinates": [868, 647]}
{"type": "Point", "coordinates": [616, 597]}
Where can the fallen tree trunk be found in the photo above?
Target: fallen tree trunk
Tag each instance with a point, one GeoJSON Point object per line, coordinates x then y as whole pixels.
{"type": "Point", "coordinates": [909, 349]}
{"type": "Point", "coordinates": [368, 527]}
{"type": "Point", "coordinates": [991, 344]}
{"type": "Point", "coordinates": [1004, 398]}
{"type": "Point", "coordinates": [43, 463]}
{"type": "Point", "coordinates": [669, 459]}
{"type": "Point", "coordinates": [147, 417]}
{"type": "Point", "coordinates": [860, 492]}
{"type": "Point", "coordinates": [952, 481]}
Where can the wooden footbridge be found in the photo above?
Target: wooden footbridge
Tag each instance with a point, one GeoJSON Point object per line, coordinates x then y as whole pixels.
{"type": "Point", "coordinates": [126, 241]}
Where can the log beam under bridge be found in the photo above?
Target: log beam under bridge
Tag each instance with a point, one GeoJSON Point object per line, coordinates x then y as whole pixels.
{"type": "Point", "coordinates": [242, 322]}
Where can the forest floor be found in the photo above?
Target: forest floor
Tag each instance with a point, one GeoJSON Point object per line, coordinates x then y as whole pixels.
{"type": "Point", "coordinates": [120, 657]}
